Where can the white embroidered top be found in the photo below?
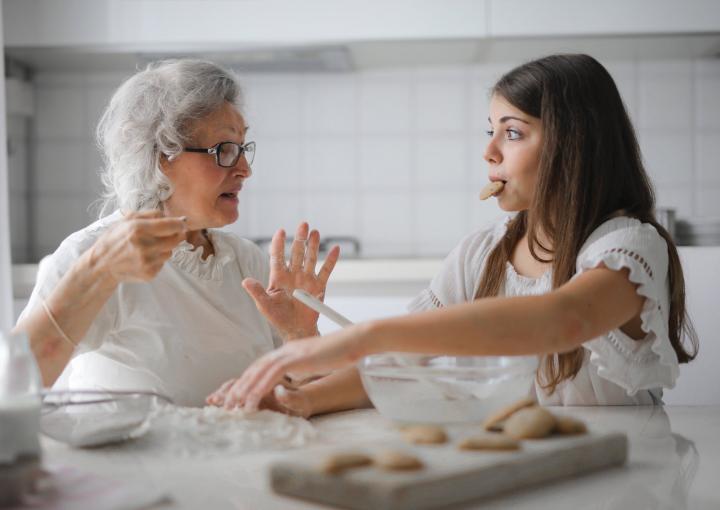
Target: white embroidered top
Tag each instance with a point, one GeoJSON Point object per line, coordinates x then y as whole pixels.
{"type": "Point", "coordinates": [617, 369]}
{"type": "Point", "coordinates": [182, 334]}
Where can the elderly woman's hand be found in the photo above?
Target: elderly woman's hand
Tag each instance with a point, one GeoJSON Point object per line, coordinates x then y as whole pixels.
{"type": "Point", "coordinates": [292, 318]}
{"type": "Point", "coordinates": [136, 248]}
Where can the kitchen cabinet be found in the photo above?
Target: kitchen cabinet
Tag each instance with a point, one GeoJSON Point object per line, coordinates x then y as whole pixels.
{"type": "Point", "coordinates": [527, 18]}
{"type": "Point", "coordinates": [162, 26]}
{"type": "Point", "coordinates": [151, 25]}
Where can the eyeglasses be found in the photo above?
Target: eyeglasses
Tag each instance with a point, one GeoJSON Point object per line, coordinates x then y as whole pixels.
{"type": "Point", "coordinates": [227, 154]}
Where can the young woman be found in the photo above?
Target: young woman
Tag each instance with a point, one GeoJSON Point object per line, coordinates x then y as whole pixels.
{"type": "Point", "coordinates": [581, 274]}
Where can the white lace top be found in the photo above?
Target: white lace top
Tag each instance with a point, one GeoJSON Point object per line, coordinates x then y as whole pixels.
{"type": "Point", "coordinates": [617, 369]}
{"type": "Point", "coordinates": [182, 334]}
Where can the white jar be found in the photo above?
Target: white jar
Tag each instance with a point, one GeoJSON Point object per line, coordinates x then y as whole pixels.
{"type": "Point", "coordinates": [20, 386]}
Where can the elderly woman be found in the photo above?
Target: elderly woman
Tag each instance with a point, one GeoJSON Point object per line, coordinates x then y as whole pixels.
{"type": "Point", "coordinates": [149, 297]}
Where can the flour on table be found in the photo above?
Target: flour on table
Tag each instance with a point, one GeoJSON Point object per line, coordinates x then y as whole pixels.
{"type": "Point", "coordinates": [211, 431]}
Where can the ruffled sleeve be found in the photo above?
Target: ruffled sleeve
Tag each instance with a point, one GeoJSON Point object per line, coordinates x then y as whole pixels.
{"type": "Point", "coordinates": [458, 280]}
{"type": "Point", "coordinates": [650, 362]}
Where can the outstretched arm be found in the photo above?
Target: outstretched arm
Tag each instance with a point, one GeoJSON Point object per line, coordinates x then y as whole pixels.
{"type": "Point", "coordinates": [597, 301]}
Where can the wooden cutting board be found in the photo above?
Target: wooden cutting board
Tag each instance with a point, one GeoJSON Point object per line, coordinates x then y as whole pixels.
{"type": "Point", "coordinates": [450, 475]}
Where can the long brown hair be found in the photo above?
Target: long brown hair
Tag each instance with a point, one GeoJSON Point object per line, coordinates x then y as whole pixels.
{"type": "Point", "coordinates": [590, 170]}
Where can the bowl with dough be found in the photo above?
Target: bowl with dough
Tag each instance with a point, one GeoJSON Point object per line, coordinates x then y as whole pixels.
{"type": "Point", "coordinates": [412, 388]}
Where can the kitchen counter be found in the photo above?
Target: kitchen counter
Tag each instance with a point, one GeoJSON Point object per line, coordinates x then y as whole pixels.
{"type": "Point", "coordinates": [374, 271]}
{"type": "Point", "coordinates": [674, 461]}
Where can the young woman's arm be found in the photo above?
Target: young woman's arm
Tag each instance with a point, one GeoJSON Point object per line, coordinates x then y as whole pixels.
{"type": "Point", "coordinates": [597, 301]}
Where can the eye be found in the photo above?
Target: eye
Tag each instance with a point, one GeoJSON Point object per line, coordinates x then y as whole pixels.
{"type": "Point", "coordinates": [490, 133]}
{"type": "Point", "coordinates": [512, 134]}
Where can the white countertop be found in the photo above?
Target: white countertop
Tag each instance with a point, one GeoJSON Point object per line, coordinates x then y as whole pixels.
{"type": "Point", "coordinates": [674, 461]}
{"type": "Point", "coordinates": [372, 271]}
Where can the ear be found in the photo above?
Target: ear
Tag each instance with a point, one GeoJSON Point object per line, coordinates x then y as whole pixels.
{"type": "Point", "coordinates": [166, 163]}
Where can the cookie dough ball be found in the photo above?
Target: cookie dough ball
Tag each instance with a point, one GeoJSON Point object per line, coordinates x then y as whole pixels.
{"type": "Point", "coordinates": [530, 423]}
{"type": "Point", "coordinates": [424, 434]}
{"type": "Point", "coordinates": [489, 442]}
{"type": "Point", "coordinates": [496, 420]}
{"type": "Point", "coordinates": [569, 426]}
{"type": "Point", "coordinates": [394, 460]}
{"type": "Point", "coordinates": [342, 461]}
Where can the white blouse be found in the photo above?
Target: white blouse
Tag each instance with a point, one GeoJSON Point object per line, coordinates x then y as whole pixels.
{"type": "Point", "coordinates": [617, 369]}
{"type": "Point", "coordinates": [182, 334]}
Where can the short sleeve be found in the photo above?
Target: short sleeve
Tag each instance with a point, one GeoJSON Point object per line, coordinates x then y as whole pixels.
{"type": "Point", "coordinates": [53, 268]}
{"type": "Point", "coordinates": [459, 278]}
{"type": "Point", "coordinates": [650, 362]}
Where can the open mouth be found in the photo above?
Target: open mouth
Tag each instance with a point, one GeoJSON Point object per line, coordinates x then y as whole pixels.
{"type": "Point", "coordinates": [230, 194]}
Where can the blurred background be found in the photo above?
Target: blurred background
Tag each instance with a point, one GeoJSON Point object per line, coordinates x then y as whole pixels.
{"type": "Point", "coordinates": [369, 119]}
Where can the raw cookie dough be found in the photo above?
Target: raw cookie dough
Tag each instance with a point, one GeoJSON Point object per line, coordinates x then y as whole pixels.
{"type": "Point", "coordinates": [394, 460]}
{"type": "Point", "coordinates": [530, 423]}
{"type": "Point", "coordinates": [496, 420]}
{"type": "Point", "coordinates": [339, 462]}
{"type": "Point", "coordinates": [489, 442]}
{"type": "Point", "coordinates": [424, 434]}
{"type": "Point", "coordinates": [567, 426]}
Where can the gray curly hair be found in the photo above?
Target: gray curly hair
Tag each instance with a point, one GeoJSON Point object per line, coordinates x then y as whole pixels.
{"type": "Point", "coordinates": [150, 115]}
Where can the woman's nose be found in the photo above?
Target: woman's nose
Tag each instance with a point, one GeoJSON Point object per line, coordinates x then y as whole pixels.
{"type": "Point", "coordinates": [242, 168]}
{"type": "Point", "coordinates": [492, 154]}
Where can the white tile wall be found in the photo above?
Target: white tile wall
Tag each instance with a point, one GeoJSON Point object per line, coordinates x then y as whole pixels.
{"type": "Point", "coordinates": [393, 157]}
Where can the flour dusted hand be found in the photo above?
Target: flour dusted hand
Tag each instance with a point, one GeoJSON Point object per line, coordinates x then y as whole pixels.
{"type": "Point", "coordinates": [136, 248]}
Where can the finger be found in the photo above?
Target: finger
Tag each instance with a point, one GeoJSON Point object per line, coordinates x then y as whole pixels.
{"type": "Point", "coordinates": [297, 250]}
{"type": "Point", "coordinates": [216, 397]}
{"type": "Point", "coordinates": [232, 398]}
{"type": "Point", "coordinates": [329, 265]}
{"type": "Point", "coordinates": [311, 253]}
{"type": "Point", "coordinates": [268, 380]}
{"type": "Point", "coordinates": [161, 227]}
{"type": "Point", "coordinates": [257, 292]}
{"type": "Point", "coordinates": [277, 251]}
{"type": "Point", "coordinates": [293, 402]}
{"type": "Point", "coordinates": [237, 393]}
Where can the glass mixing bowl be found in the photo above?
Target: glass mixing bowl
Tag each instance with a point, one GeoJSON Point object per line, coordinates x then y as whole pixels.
{"type": "Point", "coordinates": [87, 418]}
{"type": "Point", "coordinates": [415, 388]}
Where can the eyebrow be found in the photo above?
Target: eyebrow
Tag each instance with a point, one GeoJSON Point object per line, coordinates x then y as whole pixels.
{"type": "Point", "coordinates": [232, 128]}
{"type": "Point", "coordinates": [509, 117]}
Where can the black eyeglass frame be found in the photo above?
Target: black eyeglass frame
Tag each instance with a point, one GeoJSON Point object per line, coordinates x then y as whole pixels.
{"type": "Point", "coordinates": [242, 149]}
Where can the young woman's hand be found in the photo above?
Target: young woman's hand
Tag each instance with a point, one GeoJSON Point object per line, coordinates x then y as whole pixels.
{"type": "Point", "coordinates": [292, 318]}
{"type": "Point", "coordinates": [135, 249]}
{"type": "Point", "coordinates": [310, 355]}
{"type": "Point", "coordinates": [285, 398]}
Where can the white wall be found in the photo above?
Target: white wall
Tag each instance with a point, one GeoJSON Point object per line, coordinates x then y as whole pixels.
{"type": "Point", "coordinates": [393, 157]}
